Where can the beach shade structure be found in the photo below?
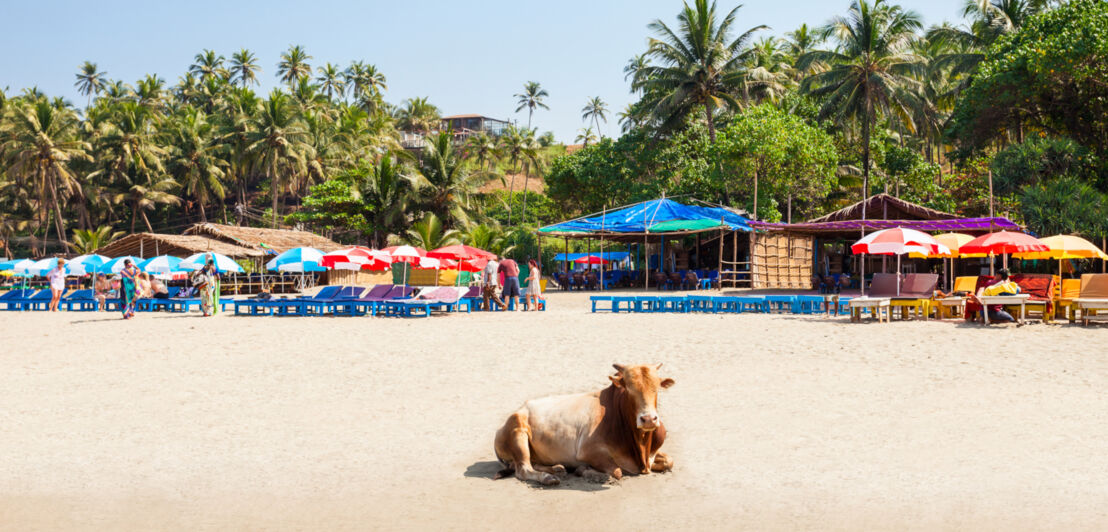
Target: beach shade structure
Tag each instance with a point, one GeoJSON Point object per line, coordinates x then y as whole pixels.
{"type": "Point", "coordinates": [897, 241]}
{"type": "Point", "coordinates": [116, 265]}
{"type": "Point", "coordinates": [299, 259]}
{"type": "Point", "coordinates": [590, 259]}
{"type": "Point", "coordinates": [1065, 247]}
{"type": "Point", "coordinates": [356, 258]}
{"type": "Point", "coordinates": [43, 266]}
{"type": "Point", "coordinates": [460, 252]}
{"type": "Point", "coordinates": [472, 265]}
{"type": "Point", "coordinates": [954, 242]}
{"type": "Point", "coordinates": [223, 263]}
{"type": "Point", "coordinates": [1004, 243]}
{"type": "Point", "coordinates": [164, 264]}
{"type": "Point", "coordinates": [432, 263]}
{"type": "Point", "coordinates": [405, 253]}
{"type": "Point", "coordinates": [90, 263]}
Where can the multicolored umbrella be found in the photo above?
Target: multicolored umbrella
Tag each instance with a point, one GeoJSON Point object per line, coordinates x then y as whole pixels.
{"type": "Point", "coordinates": [161, 264]}
{"type": "Point", "coordinates": [897, 241]}
{"type": "Point", "coordinates": [356, 258]}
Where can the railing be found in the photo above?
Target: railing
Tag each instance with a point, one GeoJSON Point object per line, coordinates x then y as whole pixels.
{"type": "Point", "coordinates": [735, 275]}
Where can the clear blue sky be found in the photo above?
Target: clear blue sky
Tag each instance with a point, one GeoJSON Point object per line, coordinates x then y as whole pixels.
{"type": "Point", "coordinates": [468, 57]}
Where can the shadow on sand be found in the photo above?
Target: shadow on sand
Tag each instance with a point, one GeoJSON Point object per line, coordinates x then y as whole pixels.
{"type": "Point", "coordinates": [487, 470]}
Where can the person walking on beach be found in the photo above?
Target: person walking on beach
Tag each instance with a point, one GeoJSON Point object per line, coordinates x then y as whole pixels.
{"type": "Point", "coordinates": [534, 284]}
{"type": "Point", "coordinates": [127, 286]}
{"type": "Point", "coordinates": [208, 276]}
{"type": "Point", "coordinates": [511, 280]}
{"type": "Point", "coordinates": [56, 277]}
{"type": "Point", "coordinates": [490, 280]}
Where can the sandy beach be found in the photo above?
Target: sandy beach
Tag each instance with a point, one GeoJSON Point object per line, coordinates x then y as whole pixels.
{"type": "Point", "coordinates": [775, 423]}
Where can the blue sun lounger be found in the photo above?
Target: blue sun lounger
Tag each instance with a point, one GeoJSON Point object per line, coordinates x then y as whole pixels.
{"type": "Point", "coordinates": [366, 304]}
{"type": "Point", "coordinates": [37, 301]}
{"type": "Point", "coordinates": [82, 299]}
{"type": "Point", "coordinates": [13, 299]}
{"type": "Point", "coordinates": [282, 307]}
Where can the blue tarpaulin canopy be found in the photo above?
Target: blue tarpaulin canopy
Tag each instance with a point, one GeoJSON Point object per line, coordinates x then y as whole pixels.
{"type": "Point", "coordinates": [612, 256]}
{"type": "Point", "coordinates": [660, 216]}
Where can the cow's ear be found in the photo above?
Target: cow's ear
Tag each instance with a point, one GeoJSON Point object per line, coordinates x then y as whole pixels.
{"type": "Point", "coordinates": [667, 382]}
{"type": "Point", "coordinates": [659, 366]}
{"type": "Point", "coordinates": [619, 367]}
{"type": "Point", "coordinates": [617, 380]}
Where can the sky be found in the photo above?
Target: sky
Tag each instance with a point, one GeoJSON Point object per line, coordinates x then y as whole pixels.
{"type": "Point", "coordinates": [466, 56]}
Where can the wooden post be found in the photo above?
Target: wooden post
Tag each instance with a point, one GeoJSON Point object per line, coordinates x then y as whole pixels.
{"type": "Point", "coordinates": [991, 193]}
{"type": "Point", "coordinates": [719, 277]}
{"type": "Point", "coordinates": [754, 215]}
{"type": "Point", "coordinates": [565, 263]}
{"type": "Point", "coordinates": [734, 259]}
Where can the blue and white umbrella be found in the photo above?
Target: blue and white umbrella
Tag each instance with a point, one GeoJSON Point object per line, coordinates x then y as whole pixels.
{"type": "Point", "coordinates": [161, 264]}
{"type": "Point", "coordinates": [302, 259]}
{"type": "Point", "coordinates": [19, 266]}
{"type": "Point", "coordinates": [116, 265]}
{"type": "Point", "coordinates": [44, 266]}
{"type": "Point", "coordinates": [89, 263]}
{"type": "Point", "coordinates": [223, 263]}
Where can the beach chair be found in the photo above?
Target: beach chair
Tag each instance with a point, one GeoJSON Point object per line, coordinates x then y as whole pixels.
{"type": "Point", "coordinates": [752, 304]}
{"type": "Point", "coordinates": [13, 299]}
{"type": "Point", "coordinates": [288, 306]}
{"type": "Point", "coordinates": [809, 305]}
{"type": "Point", "coordinates": [780, 303]}
{"type": "Point", "coordinates": [1069, 290]}
{"type": "Point", "coordinates": [82, 299]}
{"type": "Point", "coordinates": [701, 304]}
{"type": "Point", "coordinates": [965, 285]}
{"type": "Point", "coordinates": [972, 307]}
{"type": "Point", "coordinates": [37, 301]}
{"type": "Point", "coordinates": [1040, 286]}
{"type": "Point", "coordinates": [1093, 297]}
{"type": "Point", "coordinates": [916, 293]}
{"type": "Point", "coordinates": [321, 306]}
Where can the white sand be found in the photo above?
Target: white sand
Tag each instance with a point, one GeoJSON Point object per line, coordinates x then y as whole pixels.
{"type": "Point", "coordinates": [776, 422]}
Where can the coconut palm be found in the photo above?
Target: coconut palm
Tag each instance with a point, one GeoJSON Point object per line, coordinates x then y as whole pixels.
{"type": "Point", "coordinates": [387, 190]}
{"type": "Point", "coordinates": [428, 233]}
{"type": "Point", "coordinates": [634, 69]}
{"type": "Point", "coordinates": [331, 81]}
{"type": "Point", "coordinates": [244, 67]}
{"type": "Point", "coordinates": [524, 153]}
{"type": "Point", "coordinates": [531, 98]}
{"type": "Point", "coordinates": [483, 149]}
{"type": "Point", "coordinates": [278, 144]}
{"type": "Point", "coordinates": [450, 185]}
{"type": "Point", "coordinates": [194, 158]}
{"type": "Point", "coordinates": [595, 110]}
{"type": "Point", "coordinates": [150, 93]}
{"type": "Point", "coordinates": [207, 65]}
{"type": "Point", "coordinates": [90, 81]}
{"type": "Point", "coordinates": [698, 67]}
{"type": "Point", "coordinates": [585, 136]}
{"type": "Point", "coordinates": [768, 72]}
{"type": "Point", "coordinates": [490, 238]}
{"type": "Point", "coordinates": [145, 195]}
{"type": "Point", "coordinates": [870, 70]}
{"type": "Point", "coordinates": [90, 240]}
{"type": "Point", "coordinates": [989, 20]}
{"type": "Point", "coordinates": [294, 65]}
{"type": "Point", "coordinates": [132, 160]}
{"type": "Point", "coordinates": [419, 115]}
{"type": "Point", "coordinates": [40, 141]}
{"type": "Point", "coordinates": [364, 80]}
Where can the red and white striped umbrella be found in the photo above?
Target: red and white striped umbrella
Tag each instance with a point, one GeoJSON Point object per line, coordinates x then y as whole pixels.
{"type": "Point", "coordinates": [405, 253]}
{"type": "Point", "coordinates": [356, 258]}
{"type": "Point", "coordinates": [898, 241]}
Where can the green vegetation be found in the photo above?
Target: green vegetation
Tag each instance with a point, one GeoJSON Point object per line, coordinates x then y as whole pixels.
{"type": "Point", "coordinates": [785, 127]}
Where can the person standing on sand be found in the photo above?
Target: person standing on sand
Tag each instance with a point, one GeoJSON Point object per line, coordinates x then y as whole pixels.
{"type": "Point", "coordinates": [490, 280]}
{"type": "Point", "coordinates": [511, 280]}
{"type": "Point", "coordinates": [127, 285]}
{"type": "Point", "coordinates": [207, 290]}
{"type": "Point", "coordinates": [534, 284]}
{"type": "Point", "coordinates": [56, 277]}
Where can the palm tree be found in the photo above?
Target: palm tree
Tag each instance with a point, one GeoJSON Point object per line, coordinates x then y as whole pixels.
{"type": "Point", "coordinates": [700, 67]}
{"type": "Point", "coordinates": [90, 81]}
{"type": "Point", "coordinates": [490, 238]}
{"type": "Point", "coordinates": [871, 69]}
{"type": "Point", "coordinates": [524, 153]}
{"type": "Point", "coordinates": [294, 65]}
{"type": "Point", "coordinates": [90, 240]}
{"type": "Point", "coordinates": [132, 160]}
{"type": "Point", "coordinates": [634, 69]}
{"type": "Point", "coordinates": [244, 67]}
{"type": "Point", "coordinates": [484, 149]}
{"type": "Point", "coordinates": [331, 81]}
{"type": "Point", "coordinates": [428, 233]}
{"type": "Point", "coordinates": [207, 65]}
{"type": "Point", "coordinates": [450, 186]}
{"type": "Point", "coordinates": [150, 93]}
{"type": "Point", "coordinates": [419, 115]}
{"type": "Point", "coordinates": [767, 76]}
{"type": "Point", "coordinates": [40, 140]}
{"type": "Point", "coordinates": [585, 136]}
{"type": "Point", "coordinates": [278, 142]}
{"type": "Point", "coordinates": [387, 191]}
{"type": "Point", "coordinates": [194, 158]}
{"type": "Point", "coordinates": [531, 98]}
{"type": "Point", "coordinates": [364, 79]}
{"type": "Point", "coordinates": [596, 110]}
{"type": "Point", "coordinates": [146, 195]}
{"type": "Point", "coordinates": [990, 19]}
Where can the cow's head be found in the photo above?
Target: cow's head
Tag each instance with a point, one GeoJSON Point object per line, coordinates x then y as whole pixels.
{"type": "Point", "coordinates": [642, 384]}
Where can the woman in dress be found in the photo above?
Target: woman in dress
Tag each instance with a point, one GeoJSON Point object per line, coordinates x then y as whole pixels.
{"type": "Point", "coordinates": [127, 285]}
{"type": "Point", "coordinates": [534, 284]}
{"type": "Point", "coordinates": [56, 277]}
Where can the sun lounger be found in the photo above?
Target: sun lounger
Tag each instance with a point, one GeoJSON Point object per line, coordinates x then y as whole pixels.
{"type": "Point", "coordinates": [1040, 286]}
{"type": "Point", "coordinates": [915, 293]}
{"type": "Point", "coordinates": [1093, 297]}
{"type": "Point", "coordinates": [13, 299]}
{"type": "Point", "coordinates": [281, 307]}
{"type": "Point", "coordinates": [362, 305]}
{"type": "Point", "coordinates": [780, 303]}
{"type": "Point", "coordinates": [965, 285]}
{"type": "Point", "coordinates": [1069, 292]}
{"type": "Point", "coordinates": [39, 300]}
{"type": "Point", "coordinates": [82, 299]}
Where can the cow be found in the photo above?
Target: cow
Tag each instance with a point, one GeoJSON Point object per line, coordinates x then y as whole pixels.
{"type": "Point", "coordinates": [598, 435]}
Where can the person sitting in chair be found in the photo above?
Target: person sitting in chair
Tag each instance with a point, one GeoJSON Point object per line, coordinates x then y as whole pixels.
{"type": "Point", "coordinates": [1003, 287]}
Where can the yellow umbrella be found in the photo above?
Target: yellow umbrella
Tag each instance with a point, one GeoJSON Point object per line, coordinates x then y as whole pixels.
{"type": "Point", "coordinates": [954, 241]}
{"type": "Point", "coordinates": [1065, 247]}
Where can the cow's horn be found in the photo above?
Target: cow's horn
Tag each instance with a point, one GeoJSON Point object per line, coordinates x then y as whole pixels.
{"type": "Point", "coordinates": [619, 367]}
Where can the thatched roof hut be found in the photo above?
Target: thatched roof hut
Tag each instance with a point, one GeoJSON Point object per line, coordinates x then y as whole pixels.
{"type": "Point", "coordinates": [884, 207]}
{"type": "Point", "coordinates": [262, 240]}
{"type": "Point", "coordinates": [145, 245]}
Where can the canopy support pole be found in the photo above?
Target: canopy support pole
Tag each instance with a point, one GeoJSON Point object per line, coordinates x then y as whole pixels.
{"type": "Point", "coordinates": [719, 274]}
{"type": "Point", "coordinates": [735, 259]}
{"type": "Point", "coordinates": [565, 263]}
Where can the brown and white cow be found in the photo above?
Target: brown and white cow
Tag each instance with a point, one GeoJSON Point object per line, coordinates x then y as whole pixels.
{"type": "Point", "coordinates": [599, 435]}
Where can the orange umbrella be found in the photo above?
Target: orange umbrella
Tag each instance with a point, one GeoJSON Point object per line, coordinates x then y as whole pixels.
{"type": "Point", "coordinates": [1003, 243]}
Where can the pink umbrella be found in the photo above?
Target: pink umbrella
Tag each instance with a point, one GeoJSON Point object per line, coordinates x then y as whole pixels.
{"type": "Point", "coordinates": [590, 259]}
{"type": "Point", "coordinates": [346, 259]}
{"type": "Point", "coordinates": [896, 241]}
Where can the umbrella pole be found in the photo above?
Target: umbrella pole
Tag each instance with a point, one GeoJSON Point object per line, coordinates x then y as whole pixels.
{"type": "Point", "coordinates": [862, 278]}
{"type": "Point", "coordinates": [898, 274]}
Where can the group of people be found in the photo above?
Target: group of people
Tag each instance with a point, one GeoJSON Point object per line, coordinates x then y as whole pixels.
{"type": "Point", "coordinates": [134, 284]}
{"type": "Point", "coordinates": [490, 281]}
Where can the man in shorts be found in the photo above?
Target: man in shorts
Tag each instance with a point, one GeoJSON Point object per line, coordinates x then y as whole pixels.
{"type": "Point", "coordinates": [511, 281]}
{"type": "Point", "coordinates": [490, 280]}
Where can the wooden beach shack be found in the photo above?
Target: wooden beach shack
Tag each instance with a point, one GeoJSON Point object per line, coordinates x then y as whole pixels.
{"type": "Point", "coordinates": [789, 255]}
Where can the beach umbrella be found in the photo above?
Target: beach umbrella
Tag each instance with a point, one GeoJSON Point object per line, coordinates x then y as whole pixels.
{"type": "Point", "coordinates": [1065, 247]}
{"type": "Point", "coordinates": [1004, 243]}
{"type": "Point", "coordinates": [405, 253]}
{"type": "Point", "coordinates": [223, 263]}
{"type": "Point", "coordinates": [89, 263]}
{"type": "Point", "coordinates": [161, 264]}
{"type": "Point", "coordinates": [356, 258]}
{"type": "Point", "coordinates": [590, 259]}
{"type": "Point", "coordinates": [897, 241]}
{"type": "Point", "coordinates": [460, 252]}
{"type": "Point", "coordinates": [954, 242]}
{"type": "Point", "coordinates": [431, 263]}
{"type": "Point", "coordinates": [299, 259]}
{"type": "Point", "coordinates": [116, 265]}
{"type": "Point", "coordinates": [472, 265]}
{"type": "Point", "coordinates": [42, 267]}
{"type": "Point", "coordinates": [20, 266]}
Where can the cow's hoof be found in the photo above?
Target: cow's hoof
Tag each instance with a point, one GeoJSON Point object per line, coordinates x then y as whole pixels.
{"type": "Point", "coordinates": [559, 470]}
{"type": "Point", "coordinates": [617, 473]}
{"type": "Point", "coordinates": [549, 480]}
